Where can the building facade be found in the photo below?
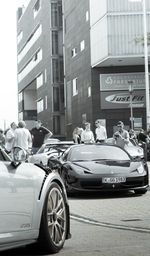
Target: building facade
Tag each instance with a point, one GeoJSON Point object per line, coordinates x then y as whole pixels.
{"type": "Point", "coordinates": [40, 65]}
{"type": "Point", "coordinates": [77, 60]}
{"type": "Point", "coordinates": [112, 61]}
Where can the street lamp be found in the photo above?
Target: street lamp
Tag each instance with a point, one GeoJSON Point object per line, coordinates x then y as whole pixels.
{"type": "Point", "coordinates": [131, 105]}
{"type": "Point", "coordinates": [145, 62]}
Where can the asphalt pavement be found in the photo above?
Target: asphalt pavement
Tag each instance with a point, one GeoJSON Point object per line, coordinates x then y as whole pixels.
{"type": "Point", "coordinates": [132, 211]}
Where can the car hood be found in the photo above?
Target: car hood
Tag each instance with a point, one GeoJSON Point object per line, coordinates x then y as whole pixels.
{"type": "Point", "coordinates": [135, 151]}
{"type": "Point", "coordinates": [107, 166]}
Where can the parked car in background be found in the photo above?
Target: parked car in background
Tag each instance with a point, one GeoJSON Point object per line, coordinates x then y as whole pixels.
{"type": "Point", "coordinates": [132, 148]}
{"type": "Point", "coordinates": [51, 140]}
{"type": "Point", "coordinates": [101, 167]}
{"type": "Point", "coordinates": [48, 150]}
{"type": "Point", "coordinates": [33, 205]}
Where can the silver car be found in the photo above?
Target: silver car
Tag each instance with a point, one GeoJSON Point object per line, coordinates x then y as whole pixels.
{"type": "Point", "coordinates": [48, 150]}
{"type": "Point", "coordinates": [132, 148]}
{"type": "Point", "coordinates": [33, 205]}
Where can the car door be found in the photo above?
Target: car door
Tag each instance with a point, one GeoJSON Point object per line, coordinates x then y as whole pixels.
{"type": "Point", "coordinates": [16, 197]}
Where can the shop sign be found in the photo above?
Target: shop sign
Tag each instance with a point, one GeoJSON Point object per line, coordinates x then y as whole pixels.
{"type": "Point", "coordinates": [121, 81]}
{"type": "Point", "coordinates": [117, 100]}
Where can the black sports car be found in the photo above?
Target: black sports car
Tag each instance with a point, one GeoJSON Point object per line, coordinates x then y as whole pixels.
{"type": "Point", "coordinates": [101, 167]}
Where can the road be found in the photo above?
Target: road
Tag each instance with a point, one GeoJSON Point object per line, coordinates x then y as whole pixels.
{"type": "Point", "coordinates": [106, 225]}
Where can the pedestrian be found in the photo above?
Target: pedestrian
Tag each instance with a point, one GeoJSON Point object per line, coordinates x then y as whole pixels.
{"type": "Point", "coordinates": [87, 135]}
{"type": "Point", "coordinates": [39, 134]}
{"type": "Point", "coordinates": [22, 137]}
{"type": "Point", "coordinates": [77, 135]}
{"type": "Point", "coordinates": [133, 136]}
{"type": "Point", "coordinates": [121, 137]}
{"type": "Point", "coordinates": [100, 132]}
{"type": "Point", "coordinates": [142, 137]}
{"type": "Point", "coordinates": [143, 140]}
{"type": "Point", "coordinates": [9, 137]}
{"type": "Point", "coordinates": [2, 138]}
{"type": "Point", "coordinates": [80, 130]}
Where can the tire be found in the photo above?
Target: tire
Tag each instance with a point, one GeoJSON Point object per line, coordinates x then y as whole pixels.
{"type": "Point", "coordinates": [54, 221]}
{"type": "Point", "coordinates": [140, 191]}
{"type": "Point", "coordinates": [70, 191]}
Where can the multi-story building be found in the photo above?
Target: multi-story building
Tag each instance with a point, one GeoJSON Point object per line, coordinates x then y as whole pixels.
{"type": "Point", "coordinates": [40, 64]}
{"type": "Point", "coordinates": [104, 56]}
{"type": "Point", "coordinates": [101, 45]}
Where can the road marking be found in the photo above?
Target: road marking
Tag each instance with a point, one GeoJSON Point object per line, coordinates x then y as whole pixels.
{"type": "Point", "coordinates": [108, 225]}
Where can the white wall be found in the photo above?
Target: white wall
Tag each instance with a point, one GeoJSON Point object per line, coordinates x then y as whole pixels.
{"type": "Point", "coordinates": [99, 41]}
{"type": "Point", "coordinates": [98, 9]}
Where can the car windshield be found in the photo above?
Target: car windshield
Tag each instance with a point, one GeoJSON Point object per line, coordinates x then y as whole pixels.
{"type": "Point", "coordinates": [111, 141]}
{"type": "Point", "coordinates": [97, 152]}
{"type": "Point", "coordinates": [51, 147]}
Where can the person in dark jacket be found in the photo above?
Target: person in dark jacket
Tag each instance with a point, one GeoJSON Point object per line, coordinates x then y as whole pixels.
{"type": "Point", "coordinates": [39, 134]}
{"type": "Point", "coordinates": [143, 140]}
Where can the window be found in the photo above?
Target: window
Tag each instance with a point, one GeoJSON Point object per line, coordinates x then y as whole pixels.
{"type": "Point", "coordinates": [57, 70]}
{"type": "Point", "coordinates": [74, 83]}
{"type": "Point", "coordinates": [61, 70]}
{"type": "Point", "coordinates": [31, 40]}
{"type": "Point", "coordinates": [54, 42]}
{"type": "Point", "coordinates": [20, 96]}
{"type": "Point", "coordinates": [56, 125]}
{"type": "Point", "coordinates": [36, 8]}
{"type": "Point", "coordinates": [39, 81]}
{"type": "Point", "coordinates": [84, 118]}
{"type": "Point", "coordinates": [56, 101]}
{"type": "Point", "coordinates": [54, 20]}
{"type": "Point", "coordinates": [46, 102]}
{"type": "Point", "coordinates": [19, 37]}
{"type": "Point", "coordinates": [60, 14]}
{"type": "Point", "coordinates": [89, 91]}
{"type": "Point", "coordinates": [20, 115]}
{"type": "Point", "coordinates": [73, 52]}
{"type": "Point", "coordinates": [82, 45]}
{"type": "Point", "coordinates": [30, 65]}
{"type": "Point", "coordinates": [56, 15]}
{"type": "Point", "coordinates": [87, 16]}
{"type": "Point", "coordinates": [40, 105]}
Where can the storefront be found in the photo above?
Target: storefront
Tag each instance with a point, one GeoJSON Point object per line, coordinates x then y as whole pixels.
{"type": "Point", "coordinates": [115, 95]}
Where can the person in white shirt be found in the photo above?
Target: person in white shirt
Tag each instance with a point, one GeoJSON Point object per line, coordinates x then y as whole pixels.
{"type": "Point", "coordinates": [9, 138]}
{"type": "Point", "coordinates": [100, 131]}
{"type": "Point", "coordinates": [87, 135]}
{"type": "Point", "coordinates": [23, 137]}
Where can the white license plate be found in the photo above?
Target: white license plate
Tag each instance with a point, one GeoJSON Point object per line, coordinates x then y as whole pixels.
{"type": "Point", "coordinates": [113, 179]}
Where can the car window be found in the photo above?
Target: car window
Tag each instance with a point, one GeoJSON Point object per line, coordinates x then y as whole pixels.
{"type": "Point", "coordinates": [41, 149]}
{"type": "Point", "coordinates": [93, 152]}
{"type": "Point", "coordinates": [65, 154]}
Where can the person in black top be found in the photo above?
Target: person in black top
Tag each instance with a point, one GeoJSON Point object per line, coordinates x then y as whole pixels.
{"type": "Point", "coordinates": [143, 139]}
{"type": "Point", "coordinates": [39, 134]}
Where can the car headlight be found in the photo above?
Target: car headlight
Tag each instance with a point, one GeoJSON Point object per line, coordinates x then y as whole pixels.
{"type": "Point", "coordinates": [140, 169]}
{"type": "Point", "coordinates": [140, 150]}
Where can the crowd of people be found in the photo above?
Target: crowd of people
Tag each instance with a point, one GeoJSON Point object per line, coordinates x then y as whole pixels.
{"type": "Point", "coordinates": [31, 141]}
{"type": "Point", "coordinates": [20, 136]}
{"type": "Point", "coordinates": [81, 135]}
{"type": "Point", "coordinates": [121, 137]}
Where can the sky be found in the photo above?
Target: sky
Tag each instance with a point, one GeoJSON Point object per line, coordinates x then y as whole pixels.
{"type": "Point", "coordinates": [8, 62]}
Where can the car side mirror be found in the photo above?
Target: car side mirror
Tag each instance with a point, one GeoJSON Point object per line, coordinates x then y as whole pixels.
{"type": "Point", "coordinates": [19, 154]}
